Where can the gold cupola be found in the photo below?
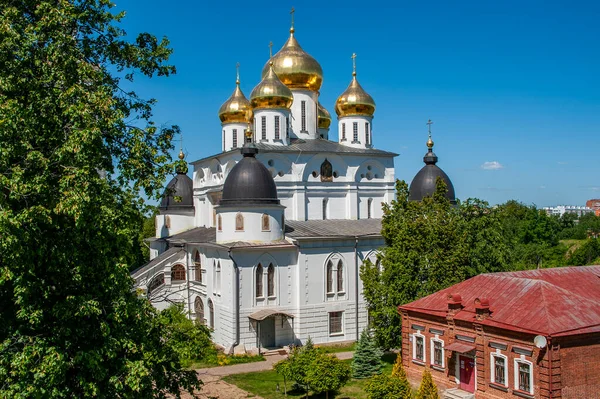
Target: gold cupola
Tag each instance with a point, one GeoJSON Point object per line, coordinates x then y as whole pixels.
{"type": "Point", "coordinates": [295, 67]}
{"type": "Point", "coordinates": [271, 92]}
{"type": "Point", "coordinates": [237, 107]}
{"type": "Point", "coordinates": [324, 118]}
{"type": "Point", "coordinates": [354, 100]}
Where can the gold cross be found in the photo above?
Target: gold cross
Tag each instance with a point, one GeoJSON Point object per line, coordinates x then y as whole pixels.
{"type": "Point", "coordinates": [429, 123]}
{"type": "Point", "coordinates": [292, 12]}
{"type": "Point", "coordinates": [270, 50]}
{"type": "Point", "coordinates": [237, 73]}
{"type": "Point", "coordinates": [353, 64]}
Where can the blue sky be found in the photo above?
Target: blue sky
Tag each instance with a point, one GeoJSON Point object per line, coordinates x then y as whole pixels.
{"type": "Point", "coordinates": [513, 87]}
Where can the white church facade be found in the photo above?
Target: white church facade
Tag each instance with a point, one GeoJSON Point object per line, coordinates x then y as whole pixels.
{"type": "Point", "coordinates": [265, 242]}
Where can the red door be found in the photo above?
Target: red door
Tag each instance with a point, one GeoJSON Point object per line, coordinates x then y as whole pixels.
{"type": "Point", "coordinates": [467, 373]}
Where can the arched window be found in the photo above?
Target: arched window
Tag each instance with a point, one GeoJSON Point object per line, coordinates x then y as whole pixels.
{"type": "Point", "coordinates": [211, 316]}
{"type": "Point", "coordinates": [239, 222]}
{"type": "Point", "coordinates": [199, 310]}
{"type": "Point", "coordinates": [340, 276]}
{"type": "Point", "coordinates": [324, 208]}
{"type": "Point", "coordinates": [326, 171]}
{"type": "Point", "coordinates": [259, 281]}
{"type": "Point", "coordinates": [329, 277]}
{"type": "Point", "coordinates": [156, 282]}
{"type": "Point", "coordinates": [369, 208]}
{"type": "Point", "coordinates": [177, 273]}
{"type": "Point", "coordinates": [266, 224]}
{"type": "Point", "coordinates": [197, 267]}
{"type": "Point", "coordinates": [271, 280]}
{"type": "Point", "coordinates": [219, 223]}
{"type": "Point", "coordinates": [218, 277]}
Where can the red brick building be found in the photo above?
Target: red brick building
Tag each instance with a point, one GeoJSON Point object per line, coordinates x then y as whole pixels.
{"type": "Point", "coordinates": [528, 334]}
{"type": "Point", "coordinates": [595, 205]}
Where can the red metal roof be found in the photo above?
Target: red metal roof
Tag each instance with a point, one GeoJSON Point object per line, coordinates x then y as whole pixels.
{"type": "Point", "coordinates": [559, 301]}
{"type": "Point", "coordinates": [459, 347]}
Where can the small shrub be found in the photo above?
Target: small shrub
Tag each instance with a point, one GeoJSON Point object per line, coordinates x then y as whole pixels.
{"type": "Point", "coordinates": [387, 387]}
{"type": "Point", "coordinates": [327, 373]}
{"type": "Point", "coordinates": [367, 358]}
{"type": "Point", "coordinates": [428, 389]}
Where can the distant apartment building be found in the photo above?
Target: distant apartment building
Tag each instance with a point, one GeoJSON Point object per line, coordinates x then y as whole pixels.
{"type": "Point", "coordinates": [562, 209]}
{"type": "Point", "coordinates": [595, 205]}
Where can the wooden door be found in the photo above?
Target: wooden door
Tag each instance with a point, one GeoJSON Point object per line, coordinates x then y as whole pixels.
{"type": "Point", "coordinates": [267, 333]}
{"type": "Point", "coordinates": [467, 373]}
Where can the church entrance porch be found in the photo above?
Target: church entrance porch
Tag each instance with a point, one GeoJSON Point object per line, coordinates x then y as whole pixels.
{"type": "Point", "coordinates": [274, 328]}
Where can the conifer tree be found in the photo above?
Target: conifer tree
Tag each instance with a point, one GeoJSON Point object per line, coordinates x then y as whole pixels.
{"type": "Point", "coordinates": [367, 357]}
{"type": "Point", "coordinates": [427, 389]}
{"type": "Point", "coordinates": [398, 369]}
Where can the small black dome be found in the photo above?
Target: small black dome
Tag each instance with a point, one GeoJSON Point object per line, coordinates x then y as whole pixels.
{"type": "Point", "coordinates": [179, 193]}
{"type": "Point", "coordinates": [249, 182]}
{"type": "Point", "coordinates": [423, 184]}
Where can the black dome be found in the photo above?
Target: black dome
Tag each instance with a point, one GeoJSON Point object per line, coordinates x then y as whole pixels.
{"type": "Point", "coordinates": [249, 182]}
{"type": "Point", "coordinates": [179, 193]}
{"type": "Point", "coordinates": [423, 184]}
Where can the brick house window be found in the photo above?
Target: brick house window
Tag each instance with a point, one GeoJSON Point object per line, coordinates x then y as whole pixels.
{"type": "Point", "coordinates": [523, 376]}
{"type": "Point", "coordinates": [499, 369]}
{"type": "Point", "coordinates": [419, 347]}
{"type": "Point", "coordinates": [335, 322]}
{"type": "Point", "coordinates": [437, 352]}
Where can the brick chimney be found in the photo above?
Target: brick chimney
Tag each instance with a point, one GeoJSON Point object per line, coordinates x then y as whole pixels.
{"type": "Point", "coordinates": [454, 304]}
{"type": "Point", "coordinates": [482, 308]}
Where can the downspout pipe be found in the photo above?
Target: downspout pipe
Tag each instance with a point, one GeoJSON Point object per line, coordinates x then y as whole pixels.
{"type": "Point", "coordinates": [356, 277]}
{"type": "Point", "coordinates": [551, 371]}
{"type": "Point", "coordinates": [237, 300]}
{"type": "Point", "coordinates": [187, 282]}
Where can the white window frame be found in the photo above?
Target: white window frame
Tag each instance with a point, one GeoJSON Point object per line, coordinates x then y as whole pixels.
{"type": "Point", "coordinates": [494, 355]}
{"type": "Point", "coordinates": [414, 351]}
{"type": "Point", "coordinates": [432, 351]}
{"type": "Point", "coordinates": [517, 361]}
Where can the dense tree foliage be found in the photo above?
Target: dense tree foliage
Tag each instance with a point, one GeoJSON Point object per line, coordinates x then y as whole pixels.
{"type": "Point", "coordinates": [76, 151]}
{"type": "Point", "coordinates": [189, 339]}
{"type": "Point", "coordinates": [430, 245]}
{"type": "Point", "coordinates": [367, 356]}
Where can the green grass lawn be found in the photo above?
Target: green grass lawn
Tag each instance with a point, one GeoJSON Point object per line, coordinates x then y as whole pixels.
{"type": "Point", "coordinates": [348, 347]}
{"type": "Point", "coordinates": [264, 383]}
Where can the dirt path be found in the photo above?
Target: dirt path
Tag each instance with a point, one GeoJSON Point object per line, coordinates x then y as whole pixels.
{"type": "Point", "coordinates": [215, 388]}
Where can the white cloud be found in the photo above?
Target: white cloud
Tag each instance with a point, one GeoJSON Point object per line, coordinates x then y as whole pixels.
{"type": "Point", "coordinates": [492, 165]}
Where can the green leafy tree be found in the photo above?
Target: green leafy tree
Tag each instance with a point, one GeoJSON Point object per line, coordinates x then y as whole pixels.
{"type": "Point", "coordinates": [587, 254]}
{"type": "Point", "coordinates": [327, 374]}
{"type": "Point", "coordinates": [301, 359]}
{"type": "Point", "coordinates": [189, 339]}
{"type": "Point", "coordinates": [284, 369]}
{"type": "Point", "coordinates": [367, 356]}
{"type": "Point", "coordinates": [427, 389]}
{"type": "Point", "coordinates": [77, 150]}
{"type": "Point", "coordinates": [383, 386]}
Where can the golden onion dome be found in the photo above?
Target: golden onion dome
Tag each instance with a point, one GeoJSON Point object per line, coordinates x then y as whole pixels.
{"type": "Point", "coordinates": [354, 101]}
{"type": "Point", "coordinates": [271, 93]}
{"type": "Point", "coordinates": [237, 108]}
{"type": "Point", "coordinates": [295, 67]}
{"type": "Point", "coordinates": [324, 118]}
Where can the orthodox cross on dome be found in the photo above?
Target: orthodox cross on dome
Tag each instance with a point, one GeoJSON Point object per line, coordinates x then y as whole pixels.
{"type": "Point", "coordinates": [237, 73]}
{"type": "Point", "coordinates": [270, 50]}
{"type": "Point", "coordinates": [430, 141]}
{"type": "Point", "coordinates": [353, 64]}
{"type": "Point", "coordinates": [292, 13]}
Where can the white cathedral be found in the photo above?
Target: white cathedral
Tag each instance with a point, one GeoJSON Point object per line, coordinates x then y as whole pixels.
{"type": "Point", "coordinates": [265, 243]}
